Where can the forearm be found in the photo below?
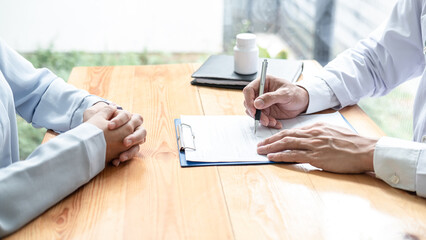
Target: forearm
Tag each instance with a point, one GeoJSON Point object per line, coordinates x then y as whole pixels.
{"type": "Point", "coordinates": [50, 173]}
{"type": "Point", "coordinates": [40, 97]}
{"type": "Point", "coordinates": [62, 106]}
{"type": "Point", "coordinates": [390, 56]}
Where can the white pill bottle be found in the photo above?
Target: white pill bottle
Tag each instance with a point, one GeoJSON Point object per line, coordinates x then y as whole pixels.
{"type": "Point", "coordinates": [246, 54]}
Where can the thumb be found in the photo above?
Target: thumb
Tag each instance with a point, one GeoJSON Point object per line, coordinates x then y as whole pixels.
{"type": "Point", "coordinates": [106, 112]}
{"type": "Point", "coordinates": [268, 99]}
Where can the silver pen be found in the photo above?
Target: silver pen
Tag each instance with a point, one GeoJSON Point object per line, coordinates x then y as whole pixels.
{"type": "Point", "coordinates": [261, 89]}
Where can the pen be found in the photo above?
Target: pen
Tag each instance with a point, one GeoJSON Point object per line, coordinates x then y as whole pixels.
{"type": "Point", "coordinates": [261, 89]}
{"type": "Point", "coordinates": [299, 72]}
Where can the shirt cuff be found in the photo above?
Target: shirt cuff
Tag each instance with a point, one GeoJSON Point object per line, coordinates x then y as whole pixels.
{"type": "Point", "coordinates": [395, 162]}
{"type": "Point", "coordinates": [321, 96]}
{"type": "Point", "coordinates": [421, 175]}
{"type": "Point", "coordinates": [87, 102]}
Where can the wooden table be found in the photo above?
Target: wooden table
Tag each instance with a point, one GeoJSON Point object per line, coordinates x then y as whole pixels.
{"type": "Point", "coordinates": [152, 197]}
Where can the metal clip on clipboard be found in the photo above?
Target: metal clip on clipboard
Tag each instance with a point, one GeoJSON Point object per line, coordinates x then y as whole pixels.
{"type": "Point", "coordinates": [181, 142]}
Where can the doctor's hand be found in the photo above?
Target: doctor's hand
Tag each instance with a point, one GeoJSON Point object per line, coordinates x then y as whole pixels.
{"type": "Point", "coordinates": [123, 142]}
{"type": "Point", "coordinates": [281, 100]}
{"type": "Point", "coordinates": [331, 148]}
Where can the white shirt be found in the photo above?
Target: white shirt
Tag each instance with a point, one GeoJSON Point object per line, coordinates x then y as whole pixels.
{"type": "Point", "coordinates": [56, 168]}
{"type": "Point", "coordinates": [389, 56]}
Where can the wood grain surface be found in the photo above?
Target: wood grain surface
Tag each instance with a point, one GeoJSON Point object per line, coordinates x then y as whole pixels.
{"type": "Point", "coordinates": [152, 197]}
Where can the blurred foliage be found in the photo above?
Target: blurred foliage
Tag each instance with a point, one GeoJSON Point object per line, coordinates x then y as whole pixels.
{"type": "Point", "coordinates": [61, 63]}
{"type": "Point", "coordinates": [283, 54]}
{"type": "Point", "coordinates": [263, 53]}
{"type": "Point", "coordinates": [392, 113]}
{"type": "Point", "coordinates": [29, 137]}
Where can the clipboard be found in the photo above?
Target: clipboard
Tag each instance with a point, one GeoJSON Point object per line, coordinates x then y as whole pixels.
{"type": "Point", "coordinates": [184, 132]}
{"type": "Point", "coordinates": [182, 157]}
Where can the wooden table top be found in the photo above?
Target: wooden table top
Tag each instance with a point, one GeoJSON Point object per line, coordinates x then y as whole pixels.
{"type": "Point", "coordinates": [152, 197]}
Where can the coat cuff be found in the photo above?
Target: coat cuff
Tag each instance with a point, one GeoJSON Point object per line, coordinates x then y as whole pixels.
{"type": "Point", "coordinates": [421, 175]}
{"type": "Point", "coordinates": [321, 96]}
{"type": "Point", "coordinates": [395, 162]}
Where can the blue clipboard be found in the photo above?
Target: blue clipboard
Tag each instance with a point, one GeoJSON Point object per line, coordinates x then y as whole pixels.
{"type": "Point", "coordinates": [185, 163]}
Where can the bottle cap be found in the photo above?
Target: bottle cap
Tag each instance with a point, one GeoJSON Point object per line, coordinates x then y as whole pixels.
{"type": "Point", "coordinates": [246, 40]}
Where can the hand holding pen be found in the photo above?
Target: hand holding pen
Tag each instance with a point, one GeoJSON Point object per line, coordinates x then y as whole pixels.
{"type": "Point", "coordinates": [281, 99]}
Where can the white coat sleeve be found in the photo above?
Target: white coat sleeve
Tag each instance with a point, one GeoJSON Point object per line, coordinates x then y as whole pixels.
{"type": "Point", "coordinates": [376, 65]}
{"type": "Point", "coordinates": [388, 57]}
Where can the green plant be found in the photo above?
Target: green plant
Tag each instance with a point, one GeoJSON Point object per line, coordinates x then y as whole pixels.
{"type": "Point", "coordinates": [283, 54]}
{"type": "Point", "coordinates": [392, 113]}
{"type": "Point", "coordinates": [29, 137]}
{"type": "Point", "coordinates": [264, 53]}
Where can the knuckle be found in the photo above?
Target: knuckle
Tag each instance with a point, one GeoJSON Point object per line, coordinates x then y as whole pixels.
{"type": "Point", "coordinates": [316, 131]}
{"type": "Point", "coordinates": [282, 134]}
{"type": "Point", "coordinates": [128, 128]}
{"type": "Point", "coordinates": [316, 141]}
{"type": "Point", "coordinates": [268, 148]}
{"type": "Point", "coordinates": [123, 115]}
{"type": "Point", "coordinates": [126, 113]}
{"type": "Point", "coordinates": [298, 132]}
{"type": "Point", "coordinates": [128, 117]}
{"type": "Point", "coordinates": [138, 117]}
{"type": "Point", "coordinates": [136, 149]}
{"type": "Point", "coordinates": [144, 132]}
{"type": "Point", "coordinates": [292, 154]}
{"type": "Point", "coordinates": [287, 140]}
{"type": "Point", "coordinates": [108, 108]}
{"type": "Point", "coordinates": [319, 124]}
{"type": "Point", "coordinates": [246, 90]}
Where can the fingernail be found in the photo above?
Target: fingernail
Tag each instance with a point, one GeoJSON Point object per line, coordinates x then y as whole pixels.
{"type": "Point", "coordinates": [112, 124]}
{"type": "Point", "coordinates": [116, 162]}
{"type": "Point", "coordinates": [259, 102]}
{"type": "Point", "coordinates": [124, 158]}
{"type": "Point", "coordinates": [128, 142]}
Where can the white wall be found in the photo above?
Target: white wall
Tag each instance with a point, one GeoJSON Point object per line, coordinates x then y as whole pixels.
{"type": "Point", "coordinates": [114, 26]}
